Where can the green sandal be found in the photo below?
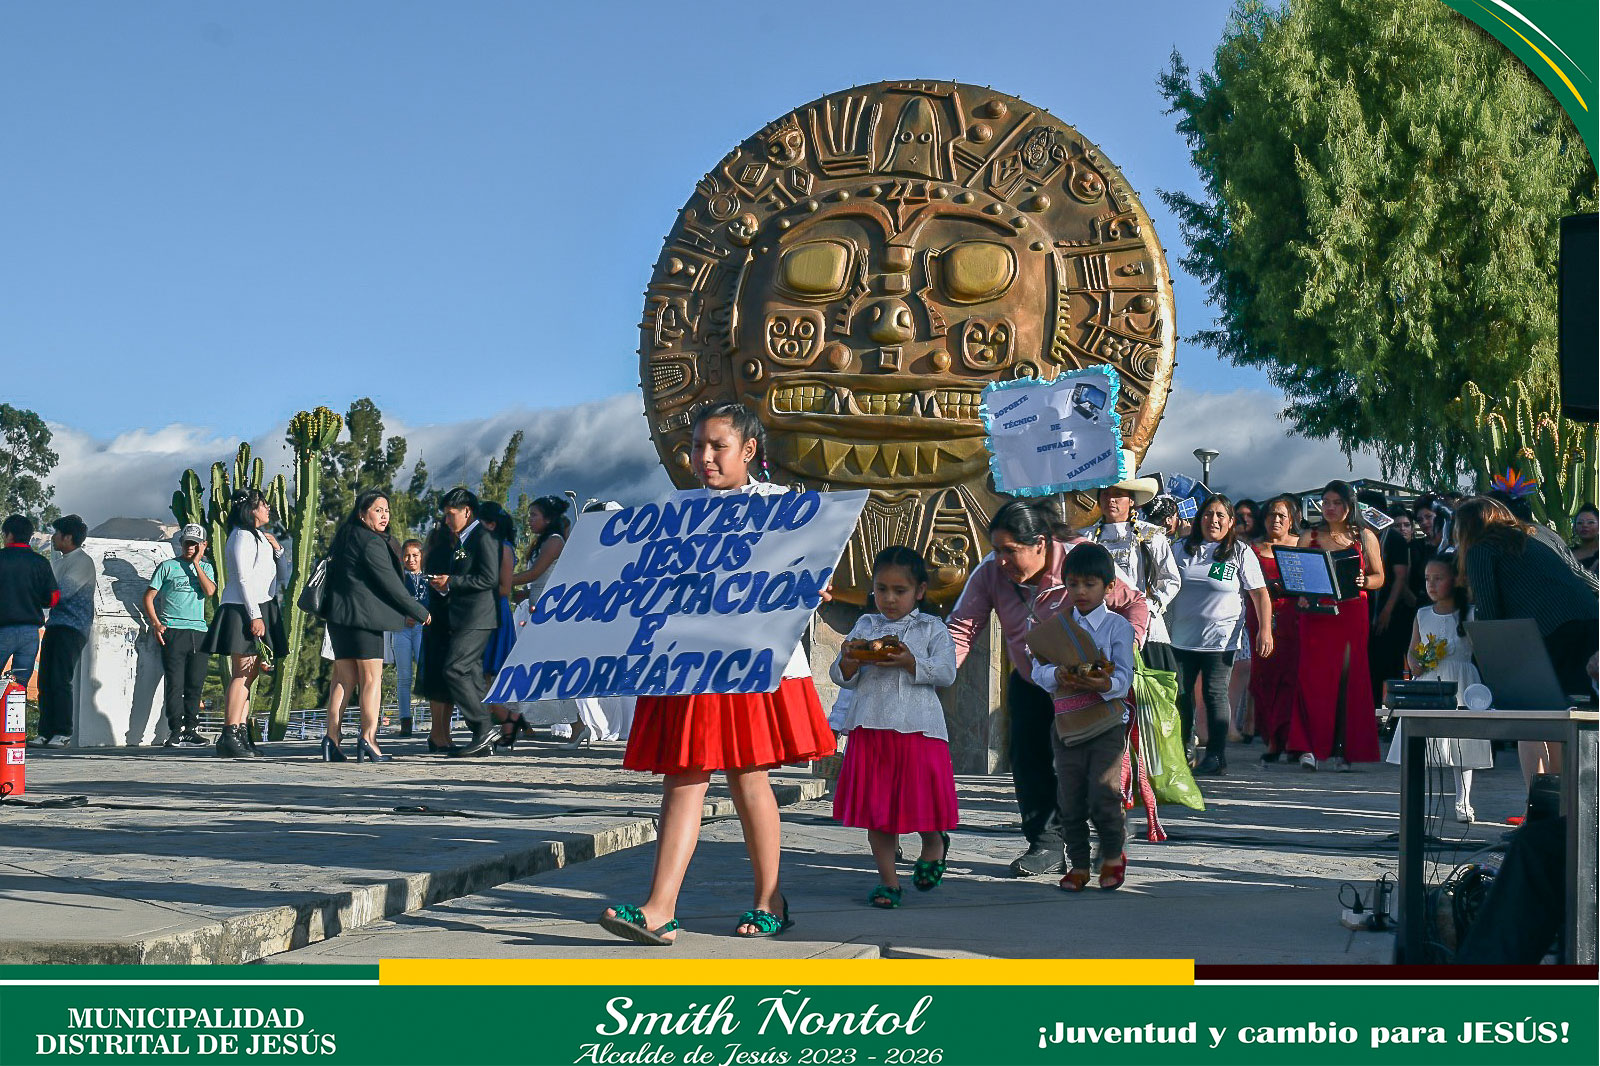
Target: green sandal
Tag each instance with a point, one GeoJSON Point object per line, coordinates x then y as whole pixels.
{"type": "Point", "coordinates": [630, 924]}
{"type": "Point", "coordinates": [927, 875]}
{"type": "Point", "coordinates": [766, 923]}
{"type": "Point", "coordinates": [886, 897]}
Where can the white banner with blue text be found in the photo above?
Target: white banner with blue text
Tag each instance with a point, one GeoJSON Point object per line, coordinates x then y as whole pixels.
{"type": "Point", "coordinates": [698, 593]}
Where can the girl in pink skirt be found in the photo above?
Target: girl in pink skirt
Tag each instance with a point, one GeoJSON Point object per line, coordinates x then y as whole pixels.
{"type": "Point", "coordinates": [897, 776]}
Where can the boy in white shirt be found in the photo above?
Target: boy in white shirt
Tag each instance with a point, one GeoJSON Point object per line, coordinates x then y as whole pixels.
{"type": "Point", "coordinates": [1089, 772]}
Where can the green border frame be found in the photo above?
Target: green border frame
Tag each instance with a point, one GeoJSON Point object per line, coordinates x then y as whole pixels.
{"type": "Point", "coordinates": [1559, 40]}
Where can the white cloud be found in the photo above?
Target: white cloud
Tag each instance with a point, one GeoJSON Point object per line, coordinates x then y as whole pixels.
{"type": "Point", "coordinates": [133, 474]}
{"type": "Point", "coordinates": [1259, 457]}
{"type": "Point", "coordinates": [603, 449]}
{"type": "Point", "coordinates": [594, 449]}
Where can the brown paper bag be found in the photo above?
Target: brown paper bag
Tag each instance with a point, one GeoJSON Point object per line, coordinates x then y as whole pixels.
{"type": "Point", "coordinates": [1062, 642]}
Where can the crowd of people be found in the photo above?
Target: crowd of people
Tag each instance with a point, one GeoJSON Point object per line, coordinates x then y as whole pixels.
{"type": "Point", "coordinates": [1136, 591]}
{"type": "Point", "coordinates": [440, 610]}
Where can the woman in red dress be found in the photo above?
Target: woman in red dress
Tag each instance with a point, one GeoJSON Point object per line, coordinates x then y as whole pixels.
{"type": "Point", "coordinates": [1337, 721]}
{"type": "Point", "coordinates": [1275, 681]}
{"type": "Point", "coordinates": [685, 738]}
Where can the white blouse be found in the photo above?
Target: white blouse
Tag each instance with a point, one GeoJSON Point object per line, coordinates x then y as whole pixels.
{"type": "Point", "coordinates": [887, 697]}
{"type": "Point", "coordinates": [255, 573]}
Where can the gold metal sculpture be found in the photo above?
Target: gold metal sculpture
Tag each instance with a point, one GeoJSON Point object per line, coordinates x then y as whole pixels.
{"type": "Point", "coordinates": [860, 269]}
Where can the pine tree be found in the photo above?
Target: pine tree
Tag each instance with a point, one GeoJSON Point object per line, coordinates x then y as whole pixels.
{"type": "Point", "coordinates": [500, 473]}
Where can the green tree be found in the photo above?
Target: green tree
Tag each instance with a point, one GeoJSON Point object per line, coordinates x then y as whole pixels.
{"type": "Point", "coordinates": [412, 509]}
{"type": "Point", "coordinates": [364, 460]}
{"type": "Point", "coordinates": [1383, 188]}
{"type": "Point", "coordinates": [25, 462]}
{"type": "Point", "coordinates": [498, 476]}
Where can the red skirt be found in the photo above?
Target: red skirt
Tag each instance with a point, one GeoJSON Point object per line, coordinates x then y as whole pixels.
{"type": "Point", "coordinates": [1275, 680]}
{"type": "Point", "coordinates": [1333, 660]}
{"type": "Point", "coordinates": [896, 783]}
{"type": "Point", "coordinates": [712, 731]}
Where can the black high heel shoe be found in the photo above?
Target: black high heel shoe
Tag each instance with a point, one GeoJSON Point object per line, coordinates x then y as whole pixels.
{"type": "Point", "coordinates": [372, 754]}
{"type": "Point", "coordinates": [331, 752]}
{"type": "Point", "coordinates": [509, 740]}
{"type": "Point", "coordinates": [441, 749]}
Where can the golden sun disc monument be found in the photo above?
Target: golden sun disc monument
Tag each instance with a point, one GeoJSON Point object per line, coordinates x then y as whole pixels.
{"type": "Point", "coordinates": [858, 270]}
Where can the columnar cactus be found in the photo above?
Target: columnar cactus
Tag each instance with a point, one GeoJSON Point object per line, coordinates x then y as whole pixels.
{"type": "Point", "coordinates": [210, 508]}
{"type": "Point", "coordinates": [1525, 434]}
{"type": "Point", "coordinates": [312, 433]}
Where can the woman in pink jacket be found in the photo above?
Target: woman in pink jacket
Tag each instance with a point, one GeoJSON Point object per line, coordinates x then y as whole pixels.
{"type": "Point", "coordinates": [1020, 582]}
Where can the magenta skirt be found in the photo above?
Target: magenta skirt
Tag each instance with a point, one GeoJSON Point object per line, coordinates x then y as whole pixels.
{"type": "Point", "coordinates": [896, 783]}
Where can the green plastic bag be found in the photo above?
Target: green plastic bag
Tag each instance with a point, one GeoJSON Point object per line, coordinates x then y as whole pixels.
{"type": "Point", "coordinates": [1161, 750]}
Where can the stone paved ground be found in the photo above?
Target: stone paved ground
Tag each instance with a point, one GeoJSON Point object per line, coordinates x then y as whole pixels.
{"type": "Point", "coordinates": [183, 857]}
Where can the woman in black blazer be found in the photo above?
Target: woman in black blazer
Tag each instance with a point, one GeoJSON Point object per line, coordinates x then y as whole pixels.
{"type": "Point", "coordinates": [366, 596]}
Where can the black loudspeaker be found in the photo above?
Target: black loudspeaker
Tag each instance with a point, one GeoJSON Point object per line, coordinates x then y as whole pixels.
{"type": "Point", "coordinates": [1578, 289]}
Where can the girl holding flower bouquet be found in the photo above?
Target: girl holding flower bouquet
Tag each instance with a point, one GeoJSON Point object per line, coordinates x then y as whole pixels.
{"type": "Point", "coordinates": [1442, 651]}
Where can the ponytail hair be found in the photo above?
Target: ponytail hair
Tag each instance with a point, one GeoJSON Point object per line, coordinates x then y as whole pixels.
{"type": "Point", "coordinates": [554, 509]}
{"type": "Point", "coordinates": [1025, 521]}
{"type": "Point", "coordinates": [909, 559]}
{"type": "Point", "coordinates": [241, 510]}
{"type": "Point", "coordinates": [1197, 537]}
{"type": "Point", "coordinates": [505, 527]}
{"type": "Point", "coordinates": [745, 423]}
{"type": "Point", "coordinates": [1346, 492]}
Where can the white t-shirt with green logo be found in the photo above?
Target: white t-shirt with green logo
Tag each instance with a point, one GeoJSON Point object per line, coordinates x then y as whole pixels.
{"type": "Point", "coordinates": [1207, 612]}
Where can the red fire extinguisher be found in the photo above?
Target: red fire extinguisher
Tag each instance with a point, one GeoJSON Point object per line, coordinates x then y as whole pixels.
{"type": "Point", "coordinates": [14, 738]}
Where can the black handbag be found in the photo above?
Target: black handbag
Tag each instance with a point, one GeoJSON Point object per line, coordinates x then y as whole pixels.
{"type": "Point", "coordinates": [314, 597]}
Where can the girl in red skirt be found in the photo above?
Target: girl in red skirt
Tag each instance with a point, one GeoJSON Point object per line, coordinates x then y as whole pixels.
{"type": "Point", "coordinates": [897, 776]}
{"type": "Point", "coordinates": [685, 738]}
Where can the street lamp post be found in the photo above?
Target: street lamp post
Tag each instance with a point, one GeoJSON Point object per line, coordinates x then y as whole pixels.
{"type": "Point", "coordinates": [1205, 455]}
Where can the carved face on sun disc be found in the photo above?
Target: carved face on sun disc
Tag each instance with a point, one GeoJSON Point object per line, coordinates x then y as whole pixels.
{"type": "Point", "coordinates": [858, 271]}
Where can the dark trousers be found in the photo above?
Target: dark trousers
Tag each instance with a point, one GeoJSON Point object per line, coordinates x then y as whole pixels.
{"type": "Point", "coordinates": [1091, 794]}
{"type": "Point", "coordinates": [183, 672]}
{"type": "Point", "coordinates": [1570, 647]}
{"type": "Point", "coordinates": [59, 653]}
{"type": "Point", "coordinates": [1522, 916]}
{"type": "Point", "coordinates": [463, 677]}
{"type": "Point", "coordinates": [1033, 770]}
{"type": "Point", "coordinates": [1213, 668]}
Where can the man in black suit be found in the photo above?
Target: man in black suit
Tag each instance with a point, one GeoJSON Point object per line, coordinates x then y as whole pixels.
{"type": "Point", "coordinates": [469, 590]}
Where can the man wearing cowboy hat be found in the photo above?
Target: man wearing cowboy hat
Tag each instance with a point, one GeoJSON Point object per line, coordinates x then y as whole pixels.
{"type": "Point", "coordinates": [1143, 555]}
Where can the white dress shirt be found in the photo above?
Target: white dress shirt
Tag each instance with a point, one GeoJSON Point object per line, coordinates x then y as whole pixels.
{"type": "Point", "coordinates": [888, 697]}
{"type": "Point", "coordinates": [1113, 636]}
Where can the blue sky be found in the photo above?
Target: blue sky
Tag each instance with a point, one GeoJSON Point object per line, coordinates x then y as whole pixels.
{"type": "Point", "coordinates": [454, 207]}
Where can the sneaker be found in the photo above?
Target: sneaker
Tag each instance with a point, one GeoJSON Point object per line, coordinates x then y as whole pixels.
{"type": "Point", "coordinates": [1271, 758]}
{"type": "Point", "coordinates": [1211, 764]}
{"type": "Point", "coordinates": [1039, 860]}
{"type": "Point", "coordinates": [1308, 760]}
{"type": "Point", "coordinates": [171, 741]}
{"type": "Point", "coordinates": [39, 742]}
{"type": "Point", "coordinates": [191, 739]}
{"type": "Point", "coordinates": [60, 740]}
